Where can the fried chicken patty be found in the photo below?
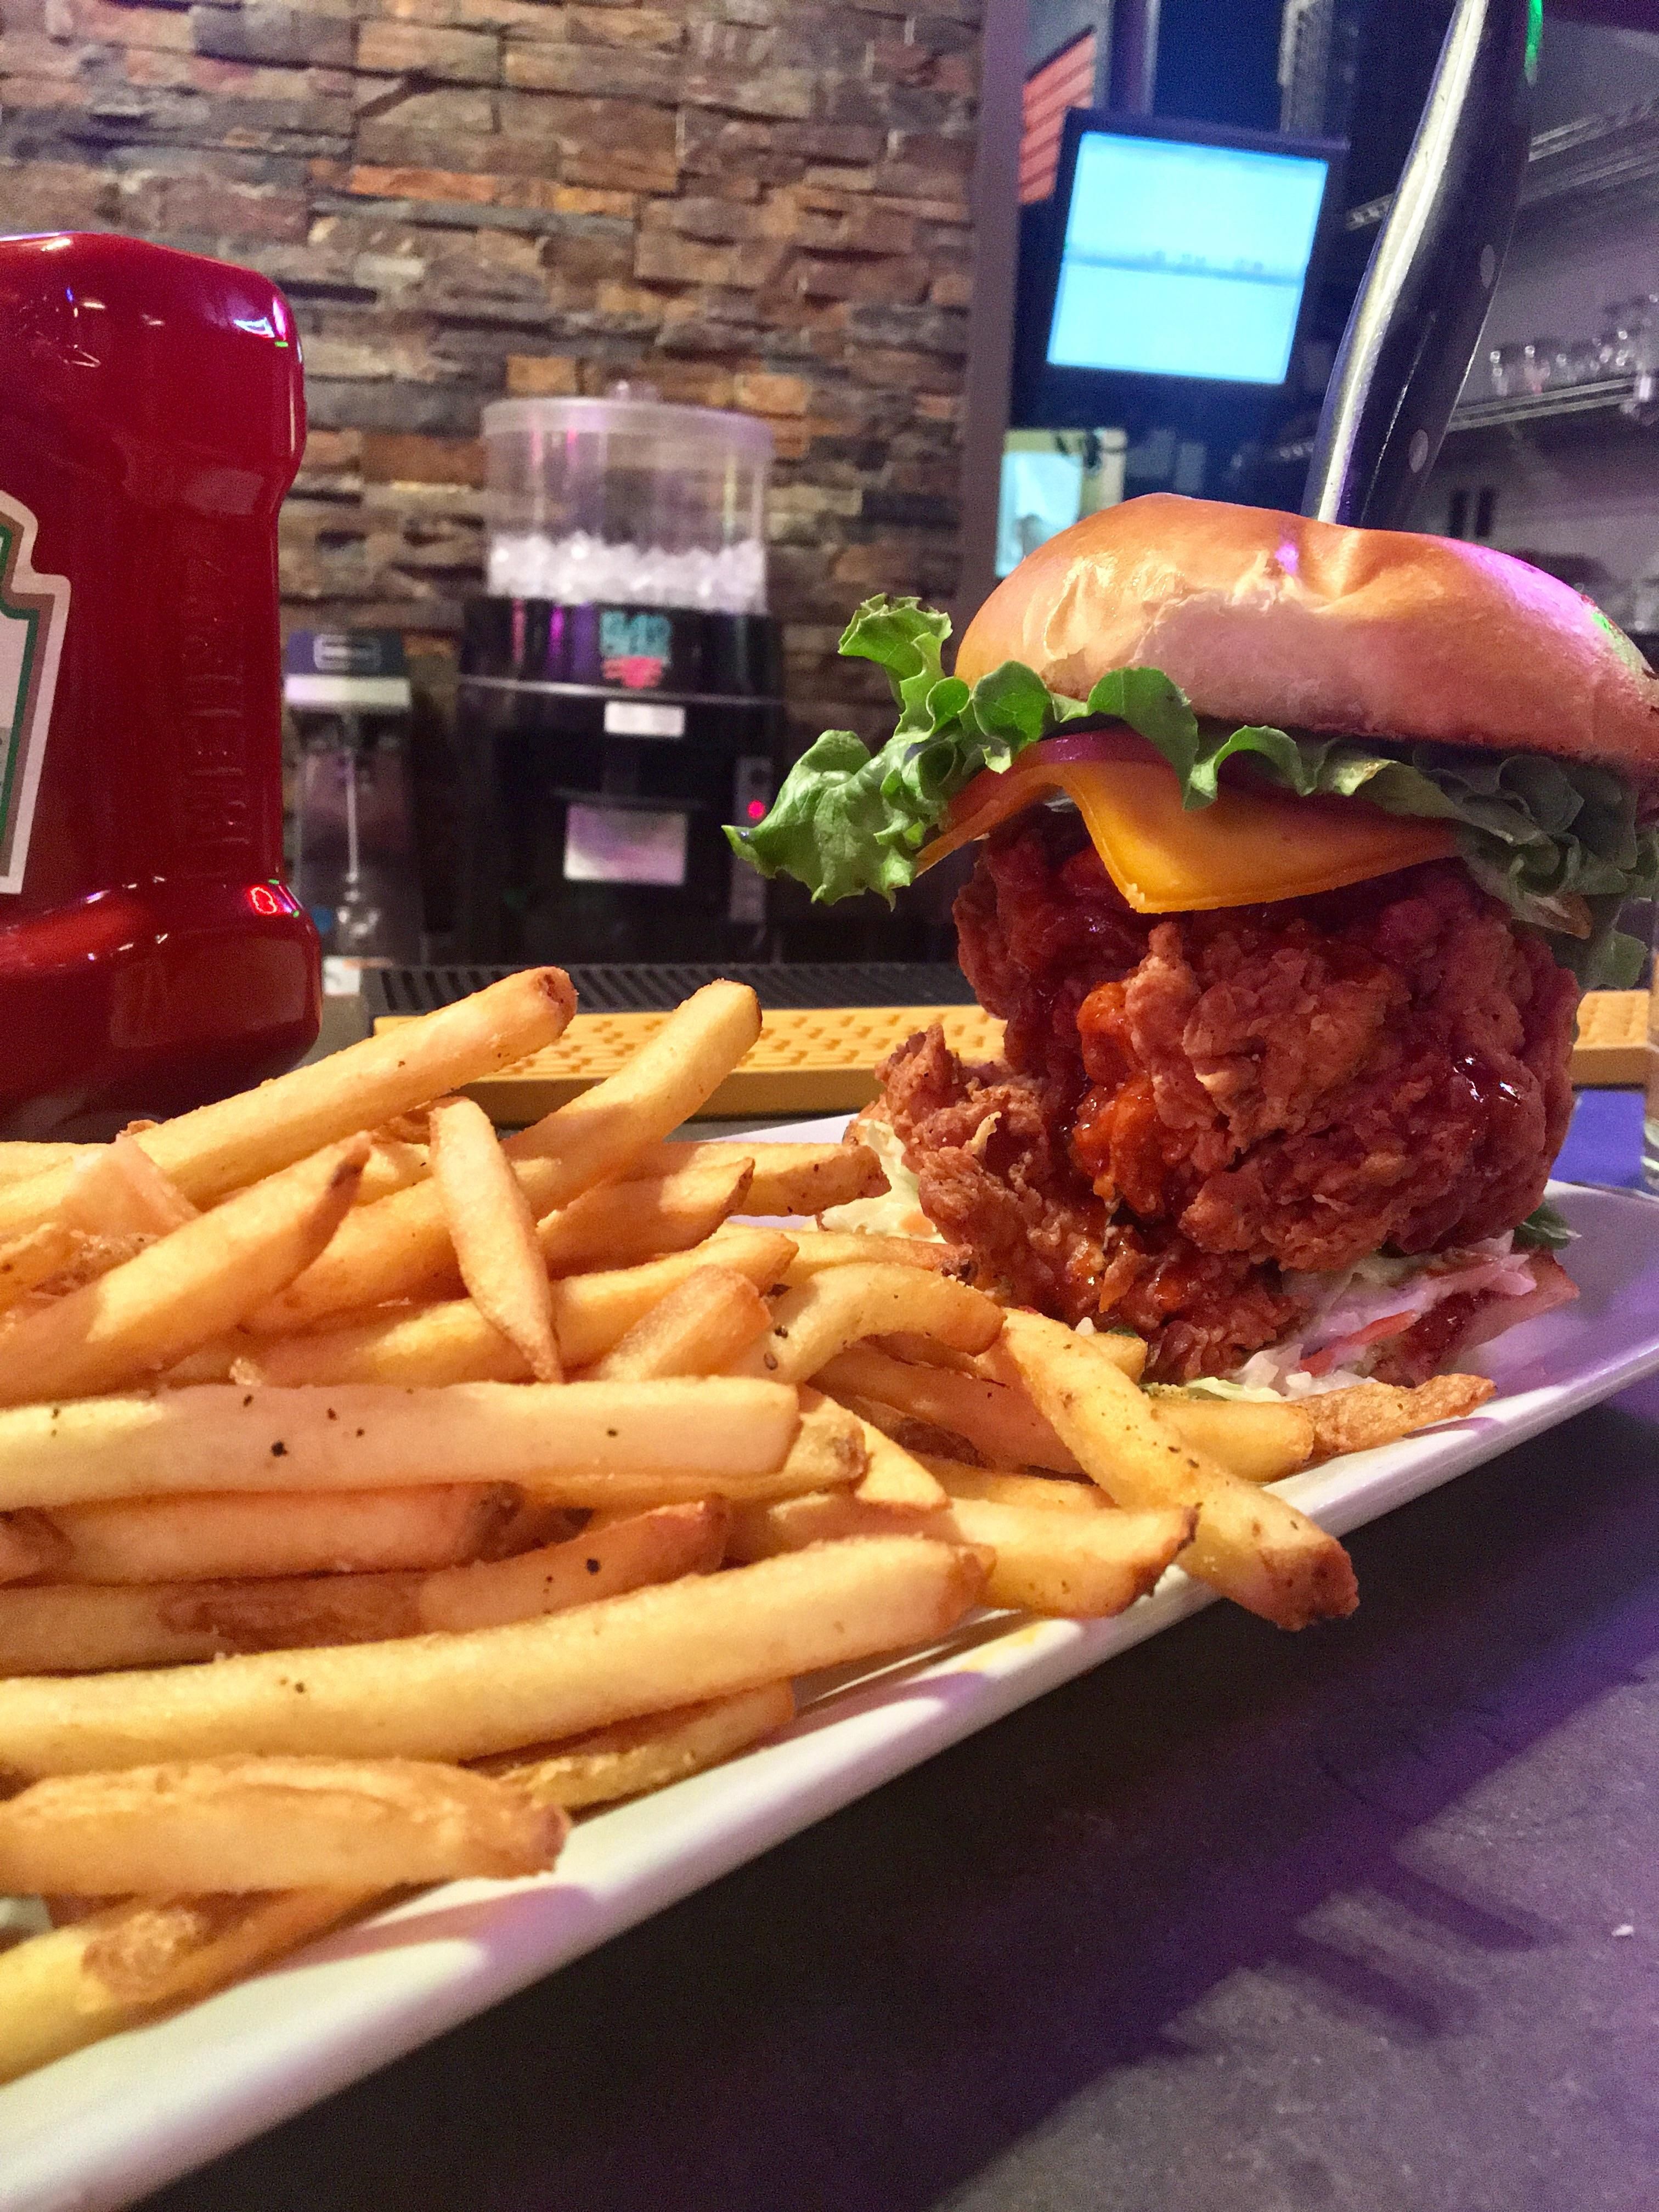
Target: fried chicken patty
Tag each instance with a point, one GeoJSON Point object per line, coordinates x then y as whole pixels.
{"type": "Point", "coordinates": [1191, 1104]}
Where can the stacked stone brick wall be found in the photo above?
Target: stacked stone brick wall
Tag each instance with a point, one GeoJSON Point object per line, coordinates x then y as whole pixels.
{"type": "Point", "coordinates": [756, 204]}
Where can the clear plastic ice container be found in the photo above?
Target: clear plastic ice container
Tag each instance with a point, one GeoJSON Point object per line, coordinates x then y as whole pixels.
{"type": "Point", "coordinates": [627, 500]}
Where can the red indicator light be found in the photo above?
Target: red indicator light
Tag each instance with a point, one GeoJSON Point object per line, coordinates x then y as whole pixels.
{"type": "Point", "coordinates": [263, 899]}
{"type": "Point", "coordinates": [756, 810]}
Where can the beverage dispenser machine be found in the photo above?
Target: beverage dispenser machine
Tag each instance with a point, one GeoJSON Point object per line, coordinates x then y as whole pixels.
{"type": "Point", "coordinates": [621, 688]}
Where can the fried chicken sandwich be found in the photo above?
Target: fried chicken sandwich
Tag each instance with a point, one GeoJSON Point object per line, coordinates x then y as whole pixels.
{"type": "Point", "coordinates": [1297, 844]}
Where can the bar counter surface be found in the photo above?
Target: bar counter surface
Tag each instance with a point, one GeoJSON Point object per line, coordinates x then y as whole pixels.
{"type": "Point", "coordinates": [1366, 1918]}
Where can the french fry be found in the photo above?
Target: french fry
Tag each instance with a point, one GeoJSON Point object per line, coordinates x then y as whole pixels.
{"type": "Point", "coordinates": [410, 1127]}
{"type": "Point", "coordinates": [18, 1159]}
{"type": "Point", "coordinates": [593, 1312]}
{"type": "Point", "coordinates": [30, 1544]}
{"type": "Point", "coordinates": [693, 1438]}
{"type": "Point", "coordinates": [829, 1451]}
{"type": "Point", "coordinates": [627, 1553]}
{"type": "Point", "coordinates": [818, 1249]}
{"type": "Point", "coordinates": [400, 1247]}
{"type": "Point", "coordinates": [34, 1258]}
{"type": "Point", "coordinates": [1372, 1413]}
{"type": "Point", "coordinates": [894, 1480]}
{"type": "Point", "coordinates": [184, 1288]}
{"type": "Point", "coordinates": [1086, 1565]}
{"type": "Point", "coordinates": [1250, 1543]}
{"type": "Point", "coordinates": [537, 1521]}
{"type": "Point", "coordinates": [89, 1257]}
{"type": "Point", "coordinates": [621, 1223]}
{"type": "Point", "coordinates": [234, 1825]}
{"type": "Point", "coordinates": [93, 1628]}
{"type": "Point", "coordinates": [597, 1135]}
{"type": "Point", "coordinates": [925, 1352]}
{"type": "Point", "coordinates": [451, 1342]}
{"type": "Point", "coordinates": [128, 1962]}
{"type": "Point", "coordinates": [467, 1557]}
{"type": "Point", "coordinates": [631, 1756]}
{"type": "Point", "coordinates": [393, 1164]}
{"type": "Point", "coordinates": [923, 1440]}
{"type": "Point", "coordinates": [762, 1530]}
{"type": "Point", "coordinates": [811, 1325]}
{"type": "Point", "coordinates": [1126, 1351]}
{"type": "Point", "coordinates": [117, 1189]}
{"type": "Point", "coordinates": [700, 1327]}
{"type": "Point", "coordinates": [789, 1179]}
{"type": "Point", "coordinates": [237, 1141]}
{"type": "Point", "coordinates": [494, 1233]}
{"type": "Point", "coordinates": [829, 1446]}
{"type": "Point", "coordinates": [73, 1628]}
{"type": "Point", "coordinates": [491, 1690]}
{"type": "Point", "coordinates": [94, 1256]}
{"type": "Point", "coordinates": [999, 1419]}
{"type": "Point", "coordinates": [261, 1533]}
{"type": "Point", "coordinates": [448, 1341]}
{"type": "Point", "coordinates": [1255, 1440]}
{"type": "Point", "coordinates": [1048, 1493]}
{"type": "Point", "coordinates": [216, 1361]}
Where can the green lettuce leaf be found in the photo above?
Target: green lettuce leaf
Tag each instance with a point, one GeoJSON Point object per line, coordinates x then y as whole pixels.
{"type": "Point", "coordinates": [1544, 1229]}
{"type": "Point", "coordinates": [1557, 841]}
{"type": "Point", "coordinates": [1216, 1386]}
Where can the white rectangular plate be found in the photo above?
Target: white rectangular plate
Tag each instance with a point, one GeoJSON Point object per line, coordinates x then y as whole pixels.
{"type": "Point", "coordinates": [111, 2123]}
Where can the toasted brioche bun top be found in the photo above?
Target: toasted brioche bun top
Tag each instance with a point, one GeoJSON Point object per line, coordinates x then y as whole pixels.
{"type": "Point", "coordinates": [1269, 617]}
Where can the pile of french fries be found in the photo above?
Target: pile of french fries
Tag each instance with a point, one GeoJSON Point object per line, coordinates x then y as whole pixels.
{"type": "Point", "coordinates": [497, 1479]}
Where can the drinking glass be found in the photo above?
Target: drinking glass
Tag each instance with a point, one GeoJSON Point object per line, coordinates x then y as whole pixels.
{"type": "Point", "coordinates": [1537, 359]}
{"type": "Point", "coordinates": [1503, 369]}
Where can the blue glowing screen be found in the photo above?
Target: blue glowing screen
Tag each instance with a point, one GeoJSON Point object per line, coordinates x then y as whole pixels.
{"type": "Point", "coordinates": [1183, 260]}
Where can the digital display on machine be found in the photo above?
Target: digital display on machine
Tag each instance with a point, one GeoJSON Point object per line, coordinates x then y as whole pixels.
{"type": "Point", "coordinates": [1182, 259]}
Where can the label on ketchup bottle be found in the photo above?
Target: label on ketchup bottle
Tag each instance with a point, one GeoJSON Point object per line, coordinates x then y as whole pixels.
{"type": "Point", "coordinates": [33, 613]}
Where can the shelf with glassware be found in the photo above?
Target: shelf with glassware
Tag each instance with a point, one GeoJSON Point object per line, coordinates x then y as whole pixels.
{"type": "Point", "coordinates": [1526, 382]}
{"type": "Point", "coordinates": [1600, 410]}
{"type": "Point", "coordinates": [1599, 173]}
{"type": "Point", "coordinates": [1626, 402]}
{"type": "Point", "coordinates": [1579, 176]}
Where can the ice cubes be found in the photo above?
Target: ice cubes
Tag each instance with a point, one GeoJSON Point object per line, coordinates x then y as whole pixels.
{"type": "Point", "coordinates": [528, 565]}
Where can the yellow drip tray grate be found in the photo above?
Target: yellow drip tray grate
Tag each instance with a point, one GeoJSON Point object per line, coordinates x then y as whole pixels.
{"type": "Point", "coordinates": [1613, 1039]}
{"type": "Point", "coordinates": [806, 1061]}
{"type": "Point", "coordinates": [810, 1061]}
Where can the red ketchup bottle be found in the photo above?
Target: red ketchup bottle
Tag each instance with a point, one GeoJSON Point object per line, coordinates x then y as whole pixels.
{"type": "Point", "coordinates": [151, 418]}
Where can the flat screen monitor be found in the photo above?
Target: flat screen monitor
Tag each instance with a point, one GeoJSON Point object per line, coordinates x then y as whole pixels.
{"type": "Point", "coordinates": [1179, 258]}
{"type": "Point", "coordinates": [1172, 277]}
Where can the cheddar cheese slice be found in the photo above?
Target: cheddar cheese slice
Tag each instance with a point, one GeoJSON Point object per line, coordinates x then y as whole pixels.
{"type": "Point", "coordinates": [1249, 847]}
